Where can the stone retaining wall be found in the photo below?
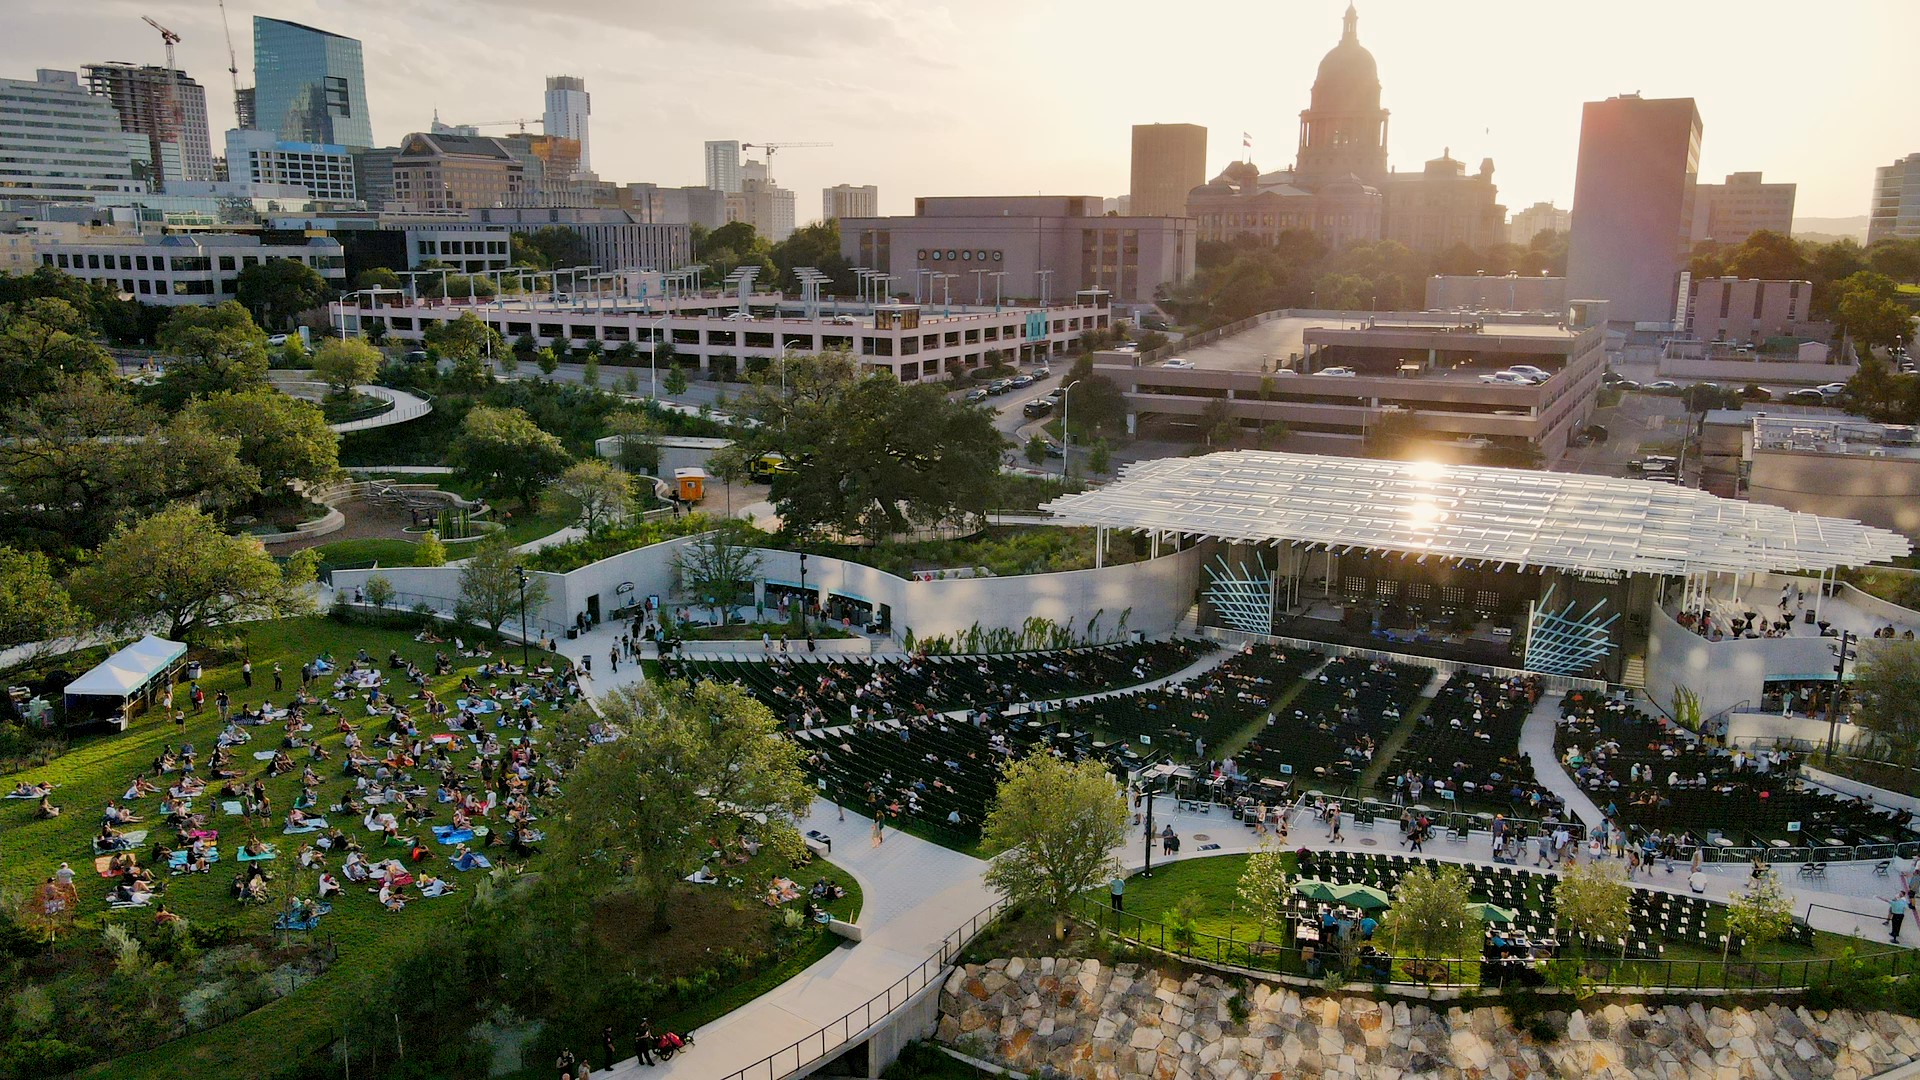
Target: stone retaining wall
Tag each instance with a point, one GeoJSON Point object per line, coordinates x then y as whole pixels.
{"type": "Point", "coordinates": [1080, 1019]}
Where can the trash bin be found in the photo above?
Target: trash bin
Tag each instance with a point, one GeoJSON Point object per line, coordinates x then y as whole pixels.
{"type": "Point", "coordinates": [572, 633]}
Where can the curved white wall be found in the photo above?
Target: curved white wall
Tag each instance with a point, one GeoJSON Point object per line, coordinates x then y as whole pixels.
{"type": "Point", "coordinates": [1723, 673]}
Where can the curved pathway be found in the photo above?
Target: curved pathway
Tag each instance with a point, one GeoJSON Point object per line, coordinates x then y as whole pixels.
{"type": "Point", "coordinates": [405, 407]}
{"type": "Point", "coordinates": [1536, 741]}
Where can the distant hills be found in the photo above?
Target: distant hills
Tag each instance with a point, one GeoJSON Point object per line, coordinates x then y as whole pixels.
{"type": "Point", "coordinates": [1830, 228]}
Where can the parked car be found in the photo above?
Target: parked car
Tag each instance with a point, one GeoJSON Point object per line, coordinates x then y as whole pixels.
{"type": "Point", "coordinates": [1037, 407]}
{"type": "Point", "coordinates": [1832, 389]}
{"type": "Point", "coordinates": [1807, 396]}
{"type": "Point", "coordinates": [1054, 450]}
{"type": "Point", "coordinates": [1528, 369]}
{"type": "Point", "coordinates": [1127, 346]}
{"type": "Point", "coordinates": [1663, 386]}
{"type": "Point", "coordinates": [975, 396]}
{"type": "Point", "coordinates": [1179, 363]}
{"type": "Point", "coordinates": [1056, 393]}
{"type": "Point", "coordinates": [1043, 372]}
{"type": "Point", "coordinates": [1756, 393]}
{"type": "Point", "coordinates": [1510, 378]}
{"type": "Point", "coordinates": [1625, 384]}
{"type": "Point", "coordinates": [1337, 372]}
{"type": "Point", "coordinates": [1022, 381]}
{"type": "Point", "coordinates": [276, 340]}
{"type": "Point", "coordinates": [999, 386]}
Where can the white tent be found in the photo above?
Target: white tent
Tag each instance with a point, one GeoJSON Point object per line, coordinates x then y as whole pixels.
{"type": "Point", "coordinates": [130, 672]}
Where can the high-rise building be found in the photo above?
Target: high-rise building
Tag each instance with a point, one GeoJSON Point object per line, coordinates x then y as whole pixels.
{"type": "Point", "coordinates": [1633, 197]}
{"type": "Point", "coordinates": [723, 166]}
{"type": "Point", "coordinates": [1169, 160]}
{"type": "Point", "coordinates": [1896, 201]}
{"type": "Point", "coordinates": [59, 142]}
{"type": "Point", "coordinates": [762, 203]}
{"type": "Point", "coordinates": [373, 175]}
{"type": "Point", "coordinates": [1729, 213]}
{"type": "Point", "coordinates": [165, 106]}
{"type": "Point", "coordinates": [454, 172]}
{"type": "Point", "coordinates": [259, 157]}
{"type": "Point", "coordinates": [568, 107]}
{"type": "Point", "coordinates": [1536, 219]}
{"type": "Point", "coordinates": [309, 85]}
{"type": "Point", "coordinates": [845, 200]}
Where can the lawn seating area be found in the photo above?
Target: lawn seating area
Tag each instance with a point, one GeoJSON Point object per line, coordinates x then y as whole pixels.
{"type": "Point", "coordinates": [1655, 777]}
{"type": "Point", "coordinates": [1209, 708]}
{"type": "Point", "coordinates": [1330, 729]}
{"type": "Point", "coordinates": [1468, 741]}
{"type": "Point", "coordinates": [817, 693]}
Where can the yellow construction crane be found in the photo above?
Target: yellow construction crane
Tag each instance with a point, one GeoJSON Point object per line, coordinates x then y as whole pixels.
{"type": "Point", "coordinates": [771, 147]}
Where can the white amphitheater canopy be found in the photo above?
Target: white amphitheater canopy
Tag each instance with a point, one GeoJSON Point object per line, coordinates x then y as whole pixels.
{"type": "Point", "coordinates": [1517, 517]}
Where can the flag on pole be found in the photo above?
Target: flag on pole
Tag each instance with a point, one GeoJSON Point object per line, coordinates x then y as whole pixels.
{"type": "Point", "coordinates": [1246, 140]}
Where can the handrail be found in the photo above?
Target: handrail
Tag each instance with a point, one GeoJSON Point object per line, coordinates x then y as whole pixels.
{"type": "Point", "coordinates": [771, 1066]}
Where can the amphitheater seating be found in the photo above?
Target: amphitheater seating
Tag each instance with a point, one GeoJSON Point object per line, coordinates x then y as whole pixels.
{"type": "Point", "coordinates": [1468, 739]}
{"type": "Point", "coordinates": [1327, 732]}
{"type": "Point", "coordinates": [1209, 708]}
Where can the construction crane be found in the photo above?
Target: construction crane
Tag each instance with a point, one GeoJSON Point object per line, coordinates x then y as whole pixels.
{"type": "Point", "coordinates": [503, 123]}
{"type": "Point", "coordinates": [771, 147]}
{"type": "Point", "coordinates": [174, 116]}
{"type": "Point", "coordinates": [233, 65]}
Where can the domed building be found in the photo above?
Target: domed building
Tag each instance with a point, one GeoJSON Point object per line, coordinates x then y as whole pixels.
{"type": "Point", "coordinates": [1340, 186]}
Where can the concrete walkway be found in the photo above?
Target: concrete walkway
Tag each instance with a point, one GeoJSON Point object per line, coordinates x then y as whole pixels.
{"type": "Point", "coordinates": [405, 407]}
{"type": "Point", "coordinates": [915, 893]}
{"type": "Point", "coordinates": [1536, 741]}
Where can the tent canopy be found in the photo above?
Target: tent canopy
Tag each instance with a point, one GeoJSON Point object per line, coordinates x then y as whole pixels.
{"type": "Point", "coordinates": [128, 671]}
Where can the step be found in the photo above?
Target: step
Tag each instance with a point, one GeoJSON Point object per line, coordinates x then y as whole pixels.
{"type": "Point", "coordinates": [1634, 674]}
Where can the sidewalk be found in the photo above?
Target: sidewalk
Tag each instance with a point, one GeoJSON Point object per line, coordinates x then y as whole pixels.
{"type": "Point", "coordinates": [1536, 741]}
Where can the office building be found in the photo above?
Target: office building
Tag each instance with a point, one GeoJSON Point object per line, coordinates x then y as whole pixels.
{"type": "Point", "coordinates": [845, 200]}
{"type": "Point", "coordinates": [762, 203]}
{"type": "Point", "coordinates": [16, 254]}
{"type": "Point", "coordinates": [1169, 160]}
{"type": "Point", "coordinates": [568, 107]}
{"type": "Point", "coordinates": [182, 270]}
{"type": "Point", "coordinates": [373, 175]}
{"type": "Point", "coordinates": [723, 166]}
{"type": "Point", "coordinates": [615, 239]}
{"type": "Point", "coordinates": [1442, 206]}
{"type": "Point", "coordinates": [1729, 213]}
{"type": "Point", "coordinates": [1020, 238]}
{"type": "Point", "coordinates": [165, 107]}
{"type": "Point", "coordinates": [1896, 201]}
{"type": "Point", "coordinates": [1539, 218]}
{"type": "Point", "coordinates": [321, 171]}
{"type": "Point", "coordinates": [453, 172]}
{"type": "Point", "coordinates": [59, 142]}
{"type": "Point", "coordinates": [1747, 311]}
{"type": "Point", "coordinates": [309, 85]}
{"type": "Point", "coordinates": [653, 204]}
{"type": "Point", "coordinates": [1633, 205]}
{"type": "Point", "coordinates": [550, 164]}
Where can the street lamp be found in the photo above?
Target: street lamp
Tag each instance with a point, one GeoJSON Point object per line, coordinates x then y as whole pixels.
{"type": "Point", "coordinates": [1066, 433]}
{"type": "Point", "coordinates": [653, 354]}
{"type": "Point", "coordinates": [526, 664]}
{"type": "Point", "coordinates": [1844, 652]}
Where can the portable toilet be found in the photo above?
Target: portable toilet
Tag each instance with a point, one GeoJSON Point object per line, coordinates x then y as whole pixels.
{"type": "Point", "coordinates": [691, 484]}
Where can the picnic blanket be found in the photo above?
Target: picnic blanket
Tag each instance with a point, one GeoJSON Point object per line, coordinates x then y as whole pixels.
{"type": "Point", "coordinates": [126, 841]}
{"type": "Point", "coordinates": [202, 834]}
{"type": "Point", "coordinates": [18, 795]}
{"type": "Point", "coordinates": [269, 856]}
{"type": "Point", "coordinates": [100, 864]}
{"type": "Point", "coordinates": [139, 900]}
{"type": "Point", "coordinates": [264, 755]}
{"type": "Point", "coordinates": [447, 834]}
{"type": "Point", "coordinates": [314, 824]}
{"type": "Point", "coordinates": [472, 861]}
{"type": "Point", "coordinates": [179, 859]}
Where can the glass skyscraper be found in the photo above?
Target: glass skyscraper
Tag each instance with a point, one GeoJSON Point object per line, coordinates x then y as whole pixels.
{"type": "Point", "coordinates": [309, 85]}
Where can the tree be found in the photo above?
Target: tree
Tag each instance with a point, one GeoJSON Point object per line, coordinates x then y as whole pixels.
{"type": "Point", "coordinates": [1592, 900]}
{"type": "Point", "coordinates": [490, 582]}
{"type": "Point", "coordinates": [551, 246]}
{"type": "Point", "coordinates": [344, 363]}
{"type": "Point", "coordinates": [430, 551]}
{"type": "Point", "coordinates": [503, 452]}
{"type": "Point", "coordinates": [639, 435]}
{"type": "Point", "coordinates": [377, 277]}
{"type": "Point", "coordinates": [467, 342]}
{"type": "Point", "coordinates": [1886, 686]}
{"type": "Point", "coordinates": [177, 569]}
{"type": "Point", "coordinates": [1866, 306]}
{"type": "Point", "coordinates": [1897, 259]}
{"type": "Point", "coordinates": [674, 382]}
{"type": "Point", "coordinates": [1769, 256]}
{"type": "Point", "coordinates": [64, 461]}
{"type": "Point", "coordinates": [601, 491]}
{"type": "Point", "coordinates": [1054, 825]}
{"type": "Point", "coordinates": [525, 345]}
{"type": "Point", "coordinates": [1100, 458]}
{"type": "Point", "coordinates": [33, 605]}
{"type": "Point", "coordinates": [1093, 407]}
{"type": "Point", "coordinates": [1267, 889]}
{"type": "Point", "coordinates": [44, 342]}
{"type": "Point", "coordinates": [1430, 919]}
{"type": "Point", "coordinates": [718, 569]}
{"type": "Point", "coordinates": [377, 589]}
{"type": "Point", "coordinates": [213, 350]}
{"type": "Point", "coordinates": [697, 767]}
{"type": "Point", "coordinates": [547, 362]}
{"type": "Point", "coordinates": [1762, 914]}
{"type": "Point", "coordinates": [508, 362]}
{"type": "Point", "coordinates": [1036, 449]}
{"type": "Point", "coordinates": [590, 370]}
{"type": "Point", "coordinates": [281, 438]}
{"type": "Point", "coordinates": [278, 289]}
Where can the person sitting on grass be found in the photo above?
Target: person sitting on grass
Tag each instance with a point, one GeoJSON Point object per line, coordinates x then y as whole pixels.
{"type": "Point", "coordinates": [46, 811]}
{"type": "Point", "coordinates": [392, 899]}
{"type": "Point", "coordinates": [432, 886]}
{"type": "Point", "coordinates": [254, 848]}
{"type": "Point", "coordinates": [329, 886]}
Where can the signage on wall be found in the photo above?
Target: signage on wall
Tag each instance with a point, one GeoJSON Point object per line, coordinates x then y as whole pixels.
{"type": "Point", "coordinates": [1036, 325]}
{"type": "Point", "coordinates": [623, 588]}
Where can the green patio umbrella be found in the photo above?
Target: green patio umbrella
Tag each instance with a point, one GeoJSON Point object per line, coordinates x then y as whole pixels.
{"type": "Point", "coordinates": [1492, 912]}
{"type": "Point", "coordinates": [1314, 889]}
{"type": "Point", "coordinates": [1361, 896]}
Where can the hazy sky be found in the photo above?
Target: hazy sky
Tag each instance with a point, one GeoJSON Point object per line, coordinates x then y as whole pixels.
{"type": "Point", "coordinates": [1020, 96]}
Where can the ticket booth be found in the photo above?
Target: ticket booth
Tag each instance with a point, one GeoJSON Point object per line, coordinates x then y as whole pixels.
{"type": "Point", "coordinates": [691, 484]}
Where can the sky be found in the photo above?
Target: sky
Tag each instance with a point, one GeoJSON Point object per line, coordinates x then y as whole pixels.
{"type": "Point", "coordinates": [995, 97]}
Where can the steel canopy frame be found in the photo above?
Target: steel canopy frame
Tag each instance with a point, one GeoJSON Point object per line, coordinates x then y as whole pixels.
{"type": "Point", "coordinates": [1518, 517]}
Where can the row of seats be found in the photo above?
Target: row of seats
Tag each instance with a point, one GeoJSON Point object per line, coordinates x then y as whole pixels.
{"type": "Point", "coordinates": [1328, 732]}
{"type": "Point", "coordinates": [1203, 712]}
{"type": "Point", "coordinates": [1468, 741]}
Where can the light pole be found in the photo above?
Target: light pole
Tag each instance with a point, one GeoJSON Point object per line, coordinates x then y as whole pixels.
{"type": "Point", "coordinates": [525, 663]}
{"type": "Point", "coordinates": [1066, 433]}
{"type": "Point", "coordinates": [653, 355]}
{"type": "Point", "coordinates": [1844, 651]}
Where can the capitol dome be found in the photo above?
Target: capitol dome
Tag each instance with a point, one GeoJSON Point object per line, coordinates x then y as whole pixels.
{"type": "Point", "coordinates": [1348, 79]}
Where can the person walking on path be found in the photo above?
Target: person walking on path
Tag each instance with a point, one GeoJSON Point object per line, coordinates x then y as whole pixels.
{"type": "Point", "coordinates": [1333, 835]}
{"type": "Point", "coordinates": [643, 1042]}
{"type": "Point", "coordinates": [606, 1045]}
{"type": "Point", "coordinates": [278, 681]}
{"type": "Point", "coordinates": [1119, 888]}
{"type": "Point", "coordinates": [246, 673]}
{"type": "Point", "coordinates": [1896, 913]}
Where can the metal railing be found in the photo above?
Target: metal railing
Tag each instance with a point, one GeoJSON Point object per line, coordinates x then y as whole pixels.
{"type": "Point", "coordinates": [1311, 962]}
{"type": "Point", "coordinates": [841, 1034]}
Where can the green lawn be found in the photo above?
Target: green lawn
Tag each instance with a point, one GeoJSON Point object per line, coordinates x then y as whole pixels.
{"type": "Point", "coordinates": [367, 938]}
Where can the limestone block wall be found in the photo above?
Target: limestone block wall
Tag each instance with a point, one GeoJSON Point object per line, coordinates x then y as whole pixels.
{"type": "Point", "coordinates": [1089, 1021]}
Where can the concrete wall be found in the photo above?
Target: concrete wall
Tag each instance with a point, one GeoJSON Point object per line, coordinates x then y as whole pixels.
{"type": "Point", "coordinates": [1159, 591]}
{"type": "Point", "coordinates": [1764, 372]}
{"type": "Point", "coordinates": [1873, 490]}
{"type": "Point", "coordinates": [1723, 673]}
{"type": "Point", "coordinates": [1759, 728]}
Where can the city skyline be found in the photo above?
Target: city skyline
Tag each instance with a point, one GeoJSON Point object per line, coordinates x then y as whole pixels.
{"type": "Point", "coordinates": [903, 117]}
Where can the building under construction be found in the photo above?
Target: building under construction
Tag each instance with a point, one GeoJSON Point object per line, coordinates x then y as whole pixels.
{"type": "Point", "coordinates": [166, 106]}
